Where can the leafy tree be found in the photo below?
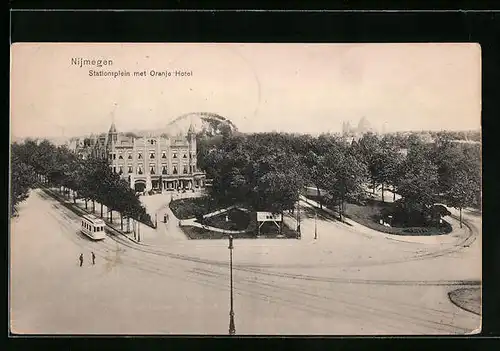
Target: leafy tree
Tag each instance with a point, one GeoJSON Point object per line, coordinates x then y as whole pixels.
{"type": "Point", "coordinates": [462, 190]}
{"type": "Point", "coordinates": [22, 179]}
{"type": "Point", "coordinates": [369, 147]}
{"type": "Point", "coordinates": [419, 185]}
{"type": "Point", "coordinates": [462, 185]}
{"type": "Point", "coordinates": [348, 174]}
{"type": "Point", "coordinates": [387, 165]}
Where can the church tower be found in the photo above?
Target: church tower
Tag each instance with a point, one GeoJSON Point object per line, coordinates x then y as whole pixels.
{"type": "Point", "coordinates": [112, 138]}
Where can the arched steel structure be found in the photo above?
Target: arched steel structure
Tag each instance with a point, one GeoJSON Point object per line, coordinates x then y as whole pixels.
{"type": "Point", "coordinates": [206, 117]}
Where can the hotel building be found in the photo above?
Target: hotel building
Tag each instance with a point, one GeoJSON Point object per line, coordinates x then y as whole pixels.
{"type": "Point", "coordinates": [148, 163]}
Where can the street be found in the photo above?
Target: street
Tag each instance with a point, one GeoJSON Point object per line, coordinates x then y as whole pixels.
{"type": "Point", "coordinates": [348, 281]}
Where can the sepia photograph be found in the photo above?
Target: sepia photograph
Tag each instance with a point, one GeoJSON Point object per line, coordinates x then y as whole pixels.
{"type": "Point", "coordinates": [245, 189]}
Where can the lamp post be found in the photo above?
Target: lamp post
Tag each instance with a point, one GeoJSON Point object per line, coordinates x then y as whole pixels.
{"type": "Point", "coordinates": [232, 328]}
{"type": "Point", "coordinates": [315, 224]}
{"type": "Point", "coordinates": [298, 219]}
{"type": "Point", "coordinates": [138, 231]}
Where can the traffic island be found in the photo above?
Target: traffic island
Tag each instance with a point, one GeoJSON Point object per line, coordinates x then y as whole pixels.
{"type": "Point", "coordinates": [468, 299]}
{"type": "Point", "coordinates": [234, 220]}
{"type": "Point", "coordinates": [196, 231]}
{"type": "Point", "coordinates": [371, 215]}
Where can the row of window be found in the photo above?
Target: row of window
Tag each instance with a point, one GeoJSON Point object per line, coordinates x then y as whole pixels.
{"type": "Point", "coordinates": [92, 228]}
{"type": "Point", "coordinates": [152, 169]}
{"type": "Point", "coordinates": [112, 156]}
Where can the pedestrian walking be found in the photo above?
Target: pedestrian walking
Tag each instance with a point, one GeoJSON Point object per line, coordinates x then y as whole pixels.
{"type": "Point", "coordinates": [93, 258]}
{"type": "Point", "coordinates": [81, 259]}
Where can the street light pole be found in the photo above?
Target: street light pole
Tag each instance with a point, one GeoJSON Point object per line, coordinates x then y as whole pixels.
{"type": "Point", "coordinates": [138, 231]}
{"type": "Point", "coordinates": [315, 224]}
{"type": "Point", "coordinates": [298, 218]}
{"type": "Point", "coordinates": [232, 328]}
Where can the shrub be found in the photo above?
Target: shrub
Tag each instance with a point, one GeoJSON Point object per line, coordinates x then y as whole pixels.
{"type": "Point", "coordinates": [191, 208]}
{"type": "Point", "coordinates": [402, 222]}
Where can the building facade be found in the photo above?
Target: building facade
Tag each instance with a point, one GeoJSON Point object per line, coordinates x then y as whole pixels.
{"type": "Point", "coordinates": [149, 163]}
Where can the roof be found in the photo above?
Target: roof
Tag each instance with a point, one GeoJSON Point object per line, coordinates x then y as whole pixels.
{"type": "Point", "coordinates": [112, 129]}
{"type": "Point", "coordinates": [93, 219]}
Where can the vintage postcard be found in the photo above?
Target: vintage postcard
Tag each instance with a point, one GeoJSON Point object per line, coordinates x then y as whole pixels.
{"type": "Point", "coordinates": [245, 189]}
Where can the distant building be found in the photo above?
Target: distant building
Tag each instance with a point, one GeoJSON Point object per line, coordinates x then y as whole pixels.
{"type": "Point", "coordinates": [364, 126]}
{"type": "Point", "coordinates": [154, 162]}
{"type": "Point", "coordinates": [354, 134]}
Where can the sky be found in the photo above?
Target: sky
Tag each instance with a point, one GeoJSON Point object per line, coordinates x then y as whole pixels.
{"type": "Point", "coordinates": [299, 88]}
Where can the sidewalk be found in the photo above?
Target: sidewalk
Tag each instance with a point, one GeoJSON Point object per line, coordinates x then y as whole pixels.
{"type": "Point", "coordinates": [454, 236]}
{"type": "Point", "coordinates": [162, 235]}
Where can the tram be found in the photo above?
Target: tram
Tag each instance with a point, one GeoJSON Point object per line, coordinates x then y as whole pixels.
{"type": "Point", "coordinates": [93, 227]}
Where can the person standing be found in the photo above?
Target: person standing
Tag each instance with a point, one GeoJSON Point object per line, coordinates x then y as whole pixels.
{"type": "Point", "coordinates": [93, 258]}
{"type": "Point", "coordinates": [81, 259]}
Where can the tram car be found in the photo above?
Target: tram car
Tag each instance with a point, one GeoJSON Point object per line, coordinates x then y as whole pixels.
{"type": "Point", "coordinates": [93, 227]}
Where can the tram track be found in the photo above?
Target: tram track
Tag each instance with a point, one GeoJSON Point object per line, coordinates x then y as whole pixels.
{"type": "Point", "coordinates": [302, 298]}
{"type": "Point", "coordinates": [260, 268]}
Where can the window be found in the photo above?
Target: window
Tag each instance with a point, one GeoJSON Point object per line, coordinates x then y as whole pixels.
{"type": "Point", "coordinates": [114, 169]}
{"type": "Point", "coordinates": [152, 169]}
{"type": "Point", "coordinates": [120, 170]}
{"type": "Point", "coordinates": [175, 170]}
{"type": "Point", "coordinates": [163, 169]}
{"type": "Point", "coordinates": [151, 154]}
{"type": "Point", "coordinates": [130, 169]}
{"type": "Point", "coordinates": [163, 154]}
{"type": "Point", "coordinates": [110, 156]}
{"type": "Point", "coordinates": [129, 155]}
{"type": "Point", "coordinates": [175, 155]}
{"type": "Point", "coordinates": [139, 170]}
{"type": "Point", "coordinates": [184, 156]}
{"type": "Point", "coordinates": [120, 157]}
{"type": "Point", "coordinates": [139, 155]}
{"type": "Point", "coordinates": [114, 156]}
{"type": "Point", "coordinates": [185, 170]}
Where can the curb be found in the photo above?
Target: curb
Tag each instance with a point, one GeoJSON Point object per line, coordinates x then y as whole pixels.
{"type": "Point", "coordinates": [453, 301]}
{"type": "Point", "coordinates": [77, 209]}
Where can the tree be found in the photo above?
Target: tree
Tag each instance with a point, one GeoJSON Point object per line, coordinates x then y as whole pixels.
{"type": "Point", "coordinates": [463, 181]}
{"type": "Point", "coordinates": [462, 190]}
{"type": "Point", "coordinates": [369, 147]}
{"type": "Point", "coordinates": [22, 179]}
{"type": "Point", "coordinates": [277, 190]}
{"type": "Point", "coordinates": [348, 174]}
{"type": "Point", "coordinates": [387, 165]}
{"type": "Point", "coordinates": [419, 185]}
{"type": "Point", "coordinates": [314, 159]}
